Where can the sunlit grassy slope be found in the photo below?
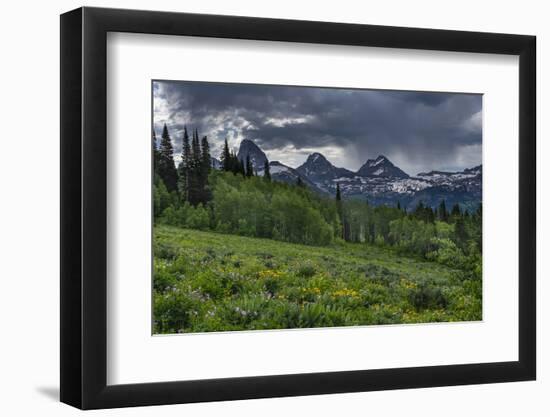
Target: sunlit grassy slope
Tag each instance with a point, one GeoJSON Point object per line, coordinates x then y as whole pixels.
{"type": "Point", "coordinates": [205, 281]}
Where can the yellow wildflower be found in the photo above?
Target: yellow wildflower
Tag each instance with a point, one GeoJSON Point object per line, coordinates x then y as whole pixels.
{"type": "Point", "coordinates": [345, 292]}
{"type": "Point", "coordinates": [269, 273]}
{"type": "Point", "coordinates": [408, 284]}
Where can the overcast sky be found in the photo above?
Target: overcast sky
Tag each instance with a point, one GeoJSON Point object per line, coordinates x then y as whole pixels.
{"type": "Point", "coordinates": [417, 131]}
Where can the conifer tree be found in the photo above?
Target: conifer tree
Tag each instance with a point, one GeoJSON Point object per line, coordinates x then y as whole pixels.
{"type": "Point", "coordinates": [184, 166]}
{"type": "Point", "coordinates": [249, 167]}
{"type": "Point", "coordinates": [194, 189]}
{"type": "Point", "coordinates": [419, 210]}
{"type": "Point", "coordinates": [477, 222]}
{"type": "Point", "coordinates": [240, 166]}
{"type": "Point", "coordinates": [205, 194]}
{"type": "Point", "coordinates": [226, 157]}
{"type": "Point", "coordinates": [206, 158]}
{"type": "Point", "coordinates": [430, 215]}
{"type": "Point", "coordinates": [424, 213]}
{"type": "Point", "coordinates": [155, 152]}
{"type": "Point", "coordinates": [461, 233]}
{"type": "Point", "coordinates": [233, 163]}
{"type": "Point", "coordinates": [455, 212]}
{"type": "Point", "coordinates": [299, 182]}
{"type": "Point", "coordinates": [186, 148]}
{"type": "Point", "coordinates": [267, 173]}
{"type": "Point", "coordinates": [340, 211]}
{"type": "Point", "coordinates": [166, 166]}
{"type": "Point", "coordinates": [442, 213]}
{"type": "Point", "coordinates": [196, 151]}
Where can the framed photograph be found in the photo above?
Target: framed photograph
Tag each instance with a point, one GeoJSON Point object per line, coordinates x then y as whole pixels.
{"type": "Point", "coordinates": [257, 208]}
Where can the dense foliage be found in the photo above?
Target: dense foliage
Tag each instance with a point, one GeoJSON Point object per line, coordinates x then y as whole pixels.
{"type": "Point", "coordinates": [206, 281]}
{"type": "Point", "coordinates": [233, 200]}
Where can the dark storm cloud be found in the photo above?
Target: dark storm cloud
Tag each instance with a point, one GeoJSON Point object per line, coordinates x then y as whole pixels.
{"type": "Point", "coordinates": [418, 131]}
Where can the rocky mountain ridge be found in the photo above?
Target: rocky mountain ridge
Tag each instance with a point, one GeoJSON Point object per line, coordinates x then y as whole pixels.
{"type": "Point", "coordinates": [378, 180]}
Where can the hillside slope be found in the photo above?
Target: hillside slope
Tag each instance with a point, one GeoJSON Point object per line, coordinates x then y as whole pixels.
{"type": "Point", "coordinates": [205, 281]}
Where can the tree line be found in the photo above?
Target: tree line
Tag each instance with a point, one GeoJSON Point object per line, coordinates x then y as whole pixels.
{"type": "Point", "coordinates": [236, 200]}
{"type": "Point", "coordinates": [189, 180]}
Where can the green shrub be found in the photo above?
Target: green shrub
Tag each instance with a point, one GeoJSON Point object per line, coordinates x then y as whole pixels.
{"type": "Point", "coordinates": [426, 296]}
{"type": "Point", "coordinates": [306, 270]}
{"type": "Point", "coordinates": [379, 274]}
{"type": "Point", "coordinates": [165, 250]}
{"type": "Point", "coordinates": [446, 252]}
{"type": "Point", "coordinates": [163, 280]}
{"type": "Point", "coordinates": [173, 312]}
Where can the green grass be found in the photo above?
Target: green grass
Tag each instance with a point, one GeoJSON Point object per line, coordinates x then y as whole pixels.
{"type": "Point", "coordinates": [205, 281]}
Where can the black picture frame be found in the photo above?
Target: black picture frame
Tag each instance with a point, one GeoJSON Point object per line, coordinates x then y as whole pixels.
{"type": "Point", "coordinates": [84, 207]}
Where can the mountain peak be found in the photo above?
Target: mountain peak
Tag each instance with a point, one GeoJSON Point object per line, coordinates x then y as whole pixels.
{"type": "Point", "coordinates": [257, 156]}
{"type": "Point", "coordinates": [317, 159]}
{"type": "Point", "coordinates": [380, 159]}
{"type": "Point", "coordinates": [248, 144]}
{"type": "Point", "coordinates": [319, 168]}
{"type": "Point", "coordinates": [315, 156]}
{"type": "Point", "coordinates": [381, 167]}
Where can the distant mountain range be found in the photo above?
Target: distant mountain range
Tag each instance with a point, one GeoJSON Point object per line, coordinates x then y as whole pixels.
{"type": "Point", "coordinates": [378, 181]}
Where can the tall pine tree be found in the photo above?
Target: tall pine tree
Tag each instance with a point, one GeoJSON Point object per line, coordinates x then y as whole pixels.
{"type": "Point", "coordinates": [267, 173]}
{"type": "Point", "coordinates": [226, 157]}
{"type": "Point", "coordinates": [240, 166]}
{"type": "Point", "coordinates": [456, 212]}
{"type": "Point", "coordinates": [194, 190]}
{"type": "Point", "coordinates": [249, 167]}
{"type": "Point", "coordinates": [205, 194]}
{"type": "Point", "coordinates": [461, 233]}
{"type": "Point", "coordinates": [206, 159]}
{"type": "Point", "coordinates": [184, 167]}
{"type": "Point", "coordinates": [233, 164]}
{"type": "Point", "coordinates": [442, 213]}
{"type": "Point", "coordinates": [340, 211]}
{"type": "Point", "coordinates": [196, 149]}
{"type": "Point", "coordinates": [166, 166]}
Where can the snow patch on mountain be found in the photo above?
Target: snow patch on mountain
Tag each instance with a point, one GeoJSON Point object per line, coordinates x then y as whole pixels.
{"type": "Point", "coordinates": [378, 181]}
{"type": "Point", "coordinates": [276, 168]}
